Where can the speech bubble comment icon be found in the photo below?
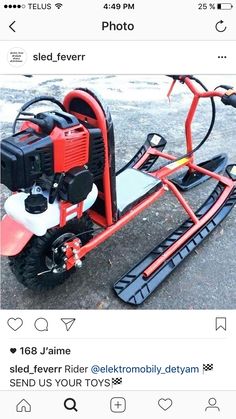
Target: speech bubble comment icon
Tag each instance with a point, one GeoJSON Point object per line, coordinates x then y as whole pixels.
{"type": "Point", "coordinates": [41, 324]}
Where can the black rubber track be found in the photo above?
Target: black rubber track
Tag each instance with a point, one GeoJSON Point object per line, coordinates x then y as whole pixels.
{"type": "Point", "coordinates": [134, 288]}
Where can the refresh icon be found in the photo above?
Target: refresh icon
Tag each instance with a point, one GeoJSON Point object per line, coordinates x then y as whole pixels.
{"type": "Point", "coordinates": [220, 27]}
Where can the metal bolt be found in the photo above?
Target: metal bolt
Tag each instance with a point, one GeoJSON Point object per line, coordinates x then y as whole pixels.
{"type": "Point", "coordinates": [78, 263]}
{"type": "Point", "coordinates": [64, 266]}
{"type": "Point", "coordinates": [55, 185]}
{"type": "Point", "coordinates": [63, 249]}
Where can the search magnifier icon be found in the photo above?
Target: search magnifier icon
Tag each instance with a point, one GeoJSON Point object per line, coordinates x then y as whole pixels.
{"type": "Point", "coordinates": [70, 404]}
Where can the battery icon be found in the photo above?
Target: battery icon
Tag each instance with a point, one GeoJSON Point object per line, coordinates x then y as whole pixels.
{"type": "Point", "coordinates": [224, 6]}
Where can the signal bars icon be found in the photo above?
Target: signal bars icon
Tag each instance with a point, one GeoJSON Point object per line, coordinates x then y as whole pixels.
{"type": "Point", "coordinates": [58, 5]}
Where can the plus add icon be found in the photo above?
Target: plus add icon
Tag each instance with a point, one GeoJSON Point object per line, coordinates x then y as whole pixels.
{"type": "Point", "coordinates": [118, 405]}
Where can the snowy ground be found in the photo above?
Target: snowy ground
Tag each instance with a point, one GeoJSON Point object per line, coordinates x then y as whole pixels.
{"type": "Point", "coordinates": [138, 105]}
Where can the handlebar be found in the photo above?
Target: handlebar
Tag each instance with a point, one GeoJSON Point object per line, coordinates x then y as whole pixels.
{"type": "Point", "coordinates": [229, 98]}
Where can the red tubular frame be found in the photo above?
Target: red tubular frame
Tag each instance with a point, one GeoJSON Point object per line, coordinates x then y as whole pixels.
{"type": "Point", "coordinates": [161, 174]}
{"type": "Point", "coordinates": [169, 252]}
{"type": "Point", "coordinates": [181, 200]}
{"type": "Point", "coordinates": [197, 95]}
{"type": "Point", "coordinates": [100, 122]}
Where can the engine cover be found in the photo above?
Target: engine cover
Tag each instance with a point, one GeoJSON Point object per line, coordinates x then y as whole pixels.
{"type": "Point", "coordinates": [50, 144]}
{"type": "Point", "coordinates": [76, 185]}
{"type": "Point", "coordinates": [24, 158]}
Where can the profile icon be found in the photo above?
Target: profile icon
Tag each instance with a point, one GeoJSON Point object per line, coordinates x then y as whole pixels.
{"type": "Point", "coordinates": [212, 405]}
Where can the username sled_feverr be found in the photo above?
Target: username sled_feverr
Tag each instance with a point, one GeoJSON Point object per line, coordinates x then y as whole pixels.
{"type": "Point", "coordinates": [67, 197]}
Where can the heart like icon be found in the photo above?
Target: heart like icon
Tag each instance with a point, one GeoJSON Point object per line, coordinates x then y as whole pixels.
{"type": "Point", "coordinates": [15, 324]}
{"type": "Point", "coordinates": [165, 404]}
{"type": "Point", "coordinates": [13, 350]}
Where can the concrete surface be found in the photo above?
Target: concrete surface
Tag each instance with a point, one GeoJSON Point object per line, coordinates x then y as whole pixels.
{"type": "Point", "coordinates": [207, 278]}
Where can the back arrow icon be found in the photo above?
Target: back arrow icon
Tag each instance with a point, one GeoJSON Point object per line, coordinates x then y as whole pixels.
{"type": "Point", "coordinates": [218, 28]}
{"type": "Point", "coordinates": [10, 26]}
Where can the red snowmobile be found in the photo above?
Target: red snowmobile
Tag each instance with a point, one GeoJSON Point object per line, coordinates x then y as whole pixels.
{"type": "Point", "coordinates": [60, 166]}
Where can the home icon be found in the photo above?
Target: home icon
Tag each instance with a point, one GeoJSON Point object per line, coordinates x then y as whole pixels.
{"type": "Point", "coordinates": [23, 406]}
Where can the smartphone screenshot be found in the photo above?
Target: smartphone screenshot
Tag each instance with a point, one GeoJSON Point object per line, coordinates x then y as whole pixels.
{"type": "Point", "coordinates": [118, 223]}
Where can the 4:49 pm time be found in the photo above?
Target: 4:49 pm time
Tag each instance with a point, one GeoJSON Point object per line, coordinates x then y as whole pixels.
{"type": "Point", "coordinates": [119, 6]}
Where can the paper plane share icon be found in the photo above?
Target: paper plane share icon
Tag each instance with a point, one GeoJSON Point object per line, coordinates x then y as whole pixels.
{"type": "Point", "coordinates": [68, 322]}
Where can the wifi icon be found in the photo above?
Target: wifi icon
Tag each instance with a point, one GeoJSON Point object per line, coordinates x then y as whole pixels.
{"type": "Point", "coordinates": [58, 5]}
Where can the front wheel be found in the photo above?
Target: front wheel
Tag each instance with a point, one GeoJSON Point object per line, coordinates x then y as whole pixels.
{"type": "Point", "coordinates": [38, 266]}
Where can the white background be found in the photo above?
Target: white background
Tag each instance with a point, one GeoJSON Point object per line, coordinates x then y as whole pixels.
{"type": "Point", "coordinates": [132, 336]}
{"type": "Point", "coordinates": [153, 19]}
{"type": "Point", "coordinates": [126, 338]}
